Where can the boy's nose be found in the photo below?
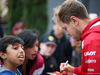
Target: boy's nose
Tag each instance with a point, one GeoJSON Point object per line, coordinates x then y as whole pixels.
{"type": "Point", "coordinates": [21, 50]}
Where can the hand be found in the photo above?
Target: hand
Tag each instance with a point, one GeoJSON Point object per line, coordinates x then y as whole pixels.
{"type": "Point", "coordinates": [66, 70]}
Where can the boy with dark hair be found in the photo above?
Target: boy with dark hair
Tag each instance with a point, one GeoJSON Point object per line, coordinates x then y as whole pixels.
{"type": "Point", "coordinates": [11, 55]}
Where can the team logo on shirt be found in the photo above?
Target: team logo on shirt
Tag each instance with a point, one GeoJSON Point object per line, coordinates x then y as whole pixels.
{"type": "Point", "coordinates": [90, 61]}
{"type": "Point", "coordinates": [90, 53]}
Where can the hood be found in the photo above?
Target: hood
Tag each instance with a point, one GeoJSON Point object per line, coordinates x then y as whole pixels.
{"type": "Point", "coordinates": [2, 69]}
{"type": "Point", "coordinates": [92, 27]}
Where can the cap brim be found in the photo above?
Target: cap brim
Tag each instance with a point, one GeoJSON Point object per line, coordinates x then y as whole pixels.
{"type": "Point", "coordinates": [51, 43]}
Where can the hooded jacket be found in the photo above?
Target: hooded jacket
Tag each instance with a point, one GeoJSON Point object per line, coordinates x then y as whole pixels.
{"type": "Point", "coordinates": [5, 71]}
{"type": "Point", "coordinates": [90, 59]}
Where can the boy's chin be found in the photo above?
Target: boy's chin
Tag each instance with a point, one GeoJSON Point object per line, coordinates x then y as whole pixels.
{"type": "Point", "coordinates": [20, 63]}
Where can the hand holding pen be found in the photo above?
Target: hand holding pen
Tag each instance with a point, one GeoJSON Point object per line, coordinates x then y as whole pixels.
{"type": "Point", "coordinates": [64, 65]}
{"type": "Point", "coordinates": [66, 69]}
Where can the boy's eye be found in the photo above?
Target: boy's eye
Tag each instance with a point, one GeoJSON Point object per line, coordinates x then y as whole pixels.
{"type": "Point", "coordinates": [15, 48]}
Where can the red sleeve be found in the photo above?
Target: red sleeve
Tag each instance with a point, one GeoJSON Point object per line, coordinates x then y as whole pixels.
{"type": "Point", "coordinates": [40, 61]}
{"type": "Point", "coordinates": [38, 67]}
{"type": "Point", "coordinates": [91, 62]}
{"type": "Point", "coordinates": [77, 70]}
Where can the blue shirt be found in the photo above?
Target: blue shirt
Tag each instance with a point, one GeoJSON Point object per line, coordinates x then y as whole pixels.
{"type": "Point", "coordinates": [5, 71]}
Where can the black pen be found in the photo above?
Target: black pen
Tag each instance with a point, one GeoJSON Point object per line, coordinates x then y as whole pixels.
{"type": "Point", "coordinates": [64, 65]}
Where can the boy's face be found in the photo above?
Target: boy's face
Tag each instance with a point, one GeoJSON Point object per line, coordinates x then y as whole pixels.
{"type": "Point", "coordinates": [31, 53]}
{"type": "Point", "coordinates": [47, 49]}
{"type": "Point", "coordinates": [15, 54]}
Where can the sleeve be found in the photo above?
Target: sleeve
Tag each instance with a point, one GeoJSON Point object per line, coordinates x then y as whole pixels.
{"type": "Point", "coordinates": [38, 71]}
{"type": "Point", "coordinates": [40, 65]}
{"type": "Point", "coordinates": [91, 55]}
{"type": "Point", "coordinates": [90, 60]}
{"type": "Point", "coordinates": [77, 70]}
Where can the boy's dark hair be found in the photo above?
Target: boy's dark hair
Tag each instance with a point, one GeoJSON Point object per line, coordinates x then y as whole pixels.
{"type": "Point", "coordinates": [28, 37]}
{"type": "Point", "coordinates": [5, 41]}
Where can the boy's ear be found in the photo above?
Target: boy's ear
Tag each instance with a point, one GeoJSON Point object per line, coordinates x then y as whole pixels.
{"type": "Point", "coordinates": [3, 55]}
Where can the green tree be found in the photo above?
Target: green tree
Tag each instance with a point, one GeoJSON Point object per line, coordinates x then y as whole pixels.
{"type": "Point", "coordinates": [33, 12]}
{"type": "Point", "coordinates": [14, 14]}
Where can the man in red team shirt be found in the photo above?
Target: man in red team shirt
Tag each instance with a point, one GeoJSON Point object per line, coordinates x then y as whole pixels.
{"type": "Point", "coordinates": [73, 17]}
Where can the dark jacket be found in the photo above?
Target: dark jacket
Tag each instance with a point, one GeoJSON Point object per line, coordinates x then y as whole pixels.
{"type": "Point", "coordinates": [63, 51]}
{"type": "Point", "coordinates": [50, 65]}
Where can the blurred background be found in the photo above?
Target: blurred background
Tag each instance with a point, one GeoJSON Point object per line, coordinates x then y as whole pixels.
{"type": "Point", "coordinates": [36, 14]}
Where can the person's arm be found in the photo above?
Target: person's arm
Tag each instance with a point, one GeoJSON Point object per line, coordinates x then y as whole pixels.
{"type": "Point", "coordinates": [91, 55]}
{"type": "Point", "coordinates": [68, 69]}
{"type": "Point", "coordinates": [38, 71]}
{"type": "Point", "coordinates": [39, 65]}
{"type": "Point", "coordinates": [77, 70]}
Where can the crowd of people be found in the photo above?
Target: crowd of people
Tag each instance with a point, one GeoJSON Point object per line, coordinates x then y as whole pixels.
{"type": "Point", "coordinates": [22, 53]}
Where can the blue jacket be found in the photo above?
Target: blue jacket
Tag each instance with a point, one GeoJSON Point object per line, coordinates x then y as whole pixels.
{"type": "Point", "coordinates": [5, 71]}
